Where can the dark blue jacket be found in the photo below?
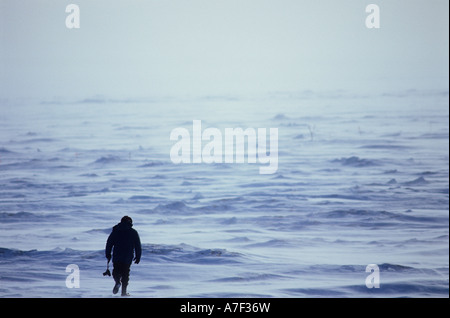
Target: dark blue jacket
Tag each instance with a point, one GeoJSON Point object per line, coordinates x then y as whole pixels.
{"type": "Point", "coordinates": [125, 243]}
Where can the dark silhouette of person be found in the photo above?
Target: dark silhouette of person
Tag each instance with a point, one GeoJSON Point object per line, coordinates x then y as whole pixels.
{"type": "Point", "coordinates": [124, 242]}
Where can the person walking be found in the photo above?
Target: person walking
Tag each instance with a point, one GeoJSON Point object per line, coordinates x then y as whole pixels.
{"type": "Point", "coordinates": [125, 245]}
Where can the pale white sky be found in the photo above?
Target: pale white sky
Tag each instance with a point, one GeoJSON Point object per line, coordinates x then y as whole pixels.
{"type": "Point", "coordinates": [127, 49]}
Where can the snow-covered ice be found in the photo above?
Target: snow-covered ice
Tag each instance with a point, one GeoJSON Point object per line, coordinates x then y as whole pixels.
{"type": "Point", "coordinates": [362, 179]}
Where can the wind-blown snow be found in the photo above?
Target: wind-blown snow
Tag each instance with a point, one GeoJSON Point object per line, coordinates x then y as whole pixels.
{"type": "Point", "coordinates": [361, 180]}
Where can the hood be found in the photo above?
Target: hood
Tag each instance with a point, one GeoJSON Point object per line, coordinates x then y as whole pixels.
{"type": "Point", "coordinates": [122, 226]}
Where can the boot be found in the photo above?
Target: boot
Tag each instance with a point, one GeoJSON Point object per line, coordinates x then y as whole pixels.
{"type": "Point", "coordinates": [124, 290]}
{"type": "Point", "coordinates": [116, 287]}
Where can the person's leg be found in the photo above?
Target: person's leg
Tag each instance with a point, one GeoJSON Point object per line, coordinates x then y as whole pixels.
{"type": "Point", "coordinates": [125, 278]}
{"type": "Point", "coordinates": [117, 275]}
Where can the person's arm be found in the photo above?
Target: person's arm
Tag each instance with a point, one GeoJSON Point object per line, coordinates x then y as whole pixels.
{"type": "Point", "coordinates": [109, 246]}
{"type": "Point", "coordinates": [137, 248]}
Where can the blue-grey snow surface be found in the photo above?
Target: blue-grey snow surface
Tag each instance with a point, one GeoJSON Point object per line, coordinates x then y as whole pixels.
{"type": "Point", "coordinates": [362, 179]}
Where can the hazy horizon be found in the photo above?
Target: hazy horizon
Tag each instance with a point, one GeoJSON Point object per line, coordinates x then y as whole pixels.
{"type": "Point", "coordinates": [154, 48]}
